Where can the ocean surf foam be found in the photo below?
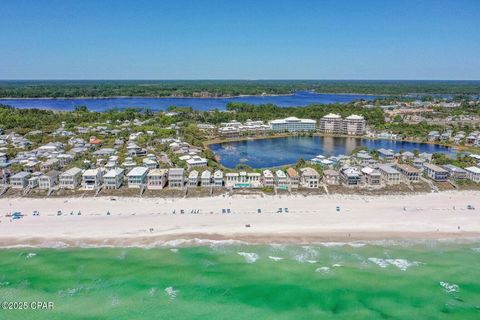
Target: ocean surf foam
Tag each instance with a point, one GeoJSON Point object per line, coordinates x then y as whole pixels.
{"type": "Point", "coordinates": [250, 257]}
{"type": "Point", "coordinates": [401, 264]}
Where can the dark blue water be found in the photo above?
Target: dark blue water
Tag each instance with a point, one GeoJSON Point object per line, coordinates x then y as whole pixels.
{"type": "Point", "coordinates": [275, 152]}
{"type": "Point", "coordinates": [303, 98]}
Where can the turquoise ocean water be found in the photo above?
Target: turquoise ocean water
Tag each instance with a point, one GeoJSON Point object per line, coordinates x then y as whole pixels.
{"type": "Point", "coordinates": [387, 280]}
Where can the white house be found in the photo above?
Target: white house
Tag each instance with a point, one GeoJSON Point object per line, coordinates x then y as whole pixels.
{"type": "Point", "coordinates": [92, 179]}
{"type": "Point", "coordinates": [473, 173]}
{"type": "Point", "coordinates": [19, 180]}
{"type": "Point", "coordinates": [113, 179]}
{"type": "Point", "coordinates": [390, 176]}
{"type": "Point", "coordinates": [435, 172]}
{"type": "Point", "coordinates": [176, 178]}
{"type": "Point", "coordinates": [218, 178]}
{"type": "Point", "coordinates": [48, 180]}
{"type": "Point", "coordinates": [71, 178]}
{"type": "Point", "coordinates": [309, 178]}
{"type": "Point", "coordinates": [193, 179]}
{"type": "Point", "coordinates": [281, 179]}
{"type": "Point", "coordinates": [137, 177]}
{"type": "Point", "coordinates": [268, 179]}
{"type": "Point", "coordinates": [206, 178]}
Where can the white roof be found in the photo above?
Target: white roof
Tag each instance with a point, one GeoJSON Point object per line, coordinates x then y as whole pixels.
{"type": "Point", "coordinates": [218, 174]}
{"type": "Point", "coordinates": [137, 171]}
{"type": "Point", "coordinates": [157, 172]}
{"type": "Point", "coordinates": [193, 174]}
{"type": "Point", "coordinates": [388, 169]}
{"type": "Point", "coordinates": [355, 117]}
{"type": "Point", "coordinates": [113, 173]}
{"type": "Point", "coordinates": [473, 169]}
{"type": "Point", "coordinates": [332, 116]}
{"type": "Point", "coordinates": [72, 172]}
{"type": "Point", "coordinates": [206, 174]}
{"type": "Point", "coordinates": [91, 172]}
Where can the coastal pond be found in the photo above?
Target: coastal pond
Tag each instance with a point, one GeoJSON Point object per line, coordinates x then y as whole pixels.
{"type": "Point", "coordinates": [274, 152]}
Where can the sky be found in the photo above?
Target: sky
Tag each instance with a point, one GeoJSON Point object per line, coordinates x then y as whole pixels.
{"type": "Point", "coordinates": [240, 39]}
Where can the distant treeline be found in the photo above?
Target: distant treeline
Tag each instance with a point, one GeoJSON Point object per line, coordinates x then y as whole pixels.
{"type": "Point", "coordinates": [223, 88]}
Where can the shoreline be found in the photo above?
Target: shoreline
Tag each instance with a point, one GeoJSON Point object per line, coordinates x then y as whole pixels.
{"type": "Point", "coordinates": [151, 222]}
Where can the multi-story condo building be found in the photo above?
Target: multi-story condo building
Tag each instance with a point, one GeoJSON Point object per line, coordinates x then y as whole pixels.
{"type": "Point", "coordinates": [331, 123]}
{"type": "Point", "coordinates": [351, 125]}
{"type": "Point", "coordinates": [293, 124]}
{"type": "Point", "coordinates": [354, 125]}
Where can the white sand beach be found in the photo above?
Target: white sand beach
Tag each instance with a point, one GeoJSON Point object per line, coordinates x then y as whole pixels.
{"type": "Point", "coordinates": [151, 221]}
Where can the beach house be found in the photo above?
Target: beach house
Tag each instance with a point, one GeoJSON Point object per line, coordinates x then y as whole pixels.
{"type": "Point", "coordinates": [71, 178]}
{"type": "Point", "coordinates": [281, 180]}
{"type": "Point", "coordinates": [309, 178]}
{"type": "Point", "coordinates": [268, 179]}
{"type": "Point", "coordinates": [331, 177]}
{"type": "Point", "coordinates": [243, 180]}
{"type": "Point", "coordinates": [196, 161]}
{"type": "Point", "coordinates": [409, 174]}
{"type": "Point", "coordinates": [218, 178]}
{"type": "Point", "coordinates": [192, 179]}
{"type": "Point", "coordinates": [206, 179]}
{"type": "Point", "coordinates": [371, 176]}
{"type": "Point", "coordinates": [390, 176]}
{"type": "Point", "coordinates": [473, 173]}
{"type": "Point", "coordinates": [20, 180]}
{"type": "Point", "coordinates": [176, 178]}
{"type": "Point", "coordinates": [4, 176]}
{"type": "Point", "coordinates": [137, 177]}
{"type": "Point", "coordinates": [350, 176]}
{"type": "Point", "coordinates": [113, 179]}
{"type": "Point", "coordinates": [435, 172]}
{"type": "Point", "coordinates": [455, 173]}
{"type": "Point", "coordinates": [92, 179]}
{"type": "Point", "coordinates": [293, 178]}
{"type": "Point", "coordinates": [157, 179]}
{"type": "Point", "coordinates": [386, 155]}
{"type": "Point", "coordinates": [48, 180]}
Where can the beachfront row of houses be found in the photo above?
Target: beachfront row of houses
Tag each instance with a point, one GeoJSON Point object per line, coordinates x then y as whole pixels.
{"type": "Point", "coordinates": [385, 174]}
{"type": "Point", "coordinates": [157, 179]}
